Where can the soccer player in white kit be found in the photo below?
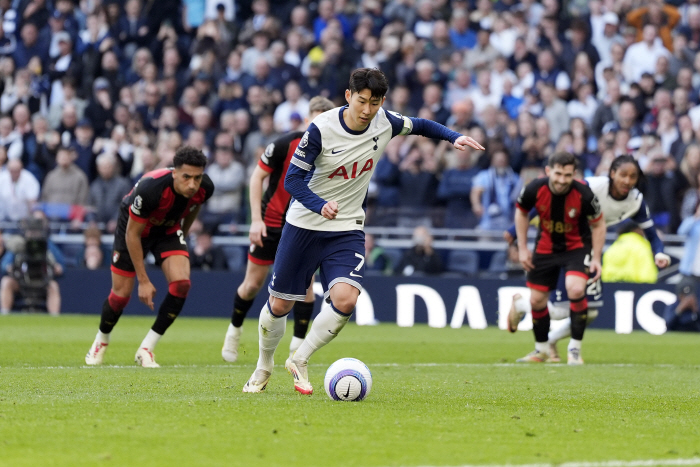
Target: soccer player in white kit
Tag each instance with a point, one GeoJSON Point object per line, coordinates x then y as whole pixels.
{"type": "Point", "coordinates": [328, 179]}
{"type": "Point", "coordinates": [620, 200]}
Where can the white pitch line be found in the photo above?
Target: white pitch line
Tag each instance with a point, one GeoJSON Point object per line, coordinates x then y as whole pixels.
{"type": "Point", "coordinates": [378, 364]}
{"type": "Point", "coordinates": [635, 463]}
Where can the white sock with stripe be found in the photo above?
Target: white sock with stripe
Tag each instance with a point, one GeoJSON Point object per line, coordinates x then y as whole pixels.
{"type": "Point", "coordinates": [270, 331]}
{"type": "Point", "coordinates": [325, 327]}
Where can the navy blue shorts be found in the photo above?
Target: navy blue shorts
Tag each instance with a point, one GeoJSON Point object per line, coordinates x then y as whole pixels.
{"type": "Point", "coordinates": [339, 255]}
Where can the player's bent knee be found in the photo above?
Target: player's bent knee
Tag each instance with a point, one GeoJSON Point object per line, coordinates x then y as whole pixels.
{"type": "Point", "coordinates": [179, 288]}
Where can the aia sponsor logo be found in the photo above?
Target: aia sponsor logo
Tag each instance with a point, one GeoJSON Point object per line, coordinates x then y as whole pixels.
{"type": "Point", "coordinates": [352, 170]}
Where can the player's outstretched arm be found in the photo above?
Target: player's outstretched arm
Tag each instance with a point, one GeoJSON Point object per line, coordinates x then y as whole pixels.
{"type": "Point", "coordinates": [147, 290]}
{"type": "Point", "coordinates": [434, 130]}
{"type": "Point", "coordinates": [521, 225]}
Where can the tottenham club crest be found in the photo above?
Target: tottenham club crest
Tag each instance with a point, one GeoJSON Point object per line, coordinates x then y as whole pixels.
{"type": "Point", "coordinates": [137, 205]}
{"type": "Point", "coordinates": [304, 140]}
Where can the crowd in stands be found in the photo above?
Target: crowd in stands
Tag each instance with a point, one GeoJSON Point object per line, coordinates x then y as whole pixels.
{"type": "Point", "coordinates": [95, 93]}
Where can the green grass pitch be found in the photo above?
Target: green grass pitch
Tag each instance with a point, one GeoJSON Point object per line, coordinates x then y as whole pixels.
{"type": "Point", "coordinates": [440, 397]}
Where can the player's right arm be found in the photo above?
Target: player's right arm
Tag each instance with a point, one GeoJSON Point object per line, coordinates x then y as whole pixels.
{"type": "Point", "coordinates": [146, 290]}
{"type": "Point", "coordinates": [526, 201]}
{"type": "Point", "coordinates": [258, 230]}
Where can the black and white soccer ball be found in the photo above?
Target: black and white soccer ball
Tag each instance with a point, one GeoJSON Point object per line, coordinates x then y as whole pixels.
{"type": "Point", "coordinates": [348, 379]}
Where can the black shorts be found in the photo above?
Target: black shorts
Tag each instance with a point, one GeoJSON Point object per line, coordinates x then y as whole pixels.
{"type": "Point", "coordinates": [265, 255]}
{"type": "Point", "coordinates": [547, 267]}
{"type": "Point", "coordinates": [161, 247]}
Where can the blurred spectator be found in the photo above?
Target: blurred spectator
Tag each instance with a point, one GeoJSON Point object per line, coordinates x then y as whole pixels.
{"type": "Point", "coordinates": [375, 258]}
{"type": "Point", "coordinates": [93, 256]}
{"type": "Point", "coordinates": [455, 189]}
{"type": "Point", "coordinates": [661, 191]}
{"type": "Point", "coordinates": [690, 261]}
{"type": "Point", "coordinates": [493, 193]}
{"type": "Point", "coordinates": [682, 315]}
{"type": "Point", "coordinates": [100, 109]}
{"type": "Point", "coordinates": [67, 183]}
{"type": "Point", "coordinates": [641, 57]}
{"type": "Point", "coordinates": [229, 177]}
{"type": "Point", "coordinates": [555, 111]}
{"type": "Point", "coordinates": [260, 138]}
{"type": "Point", "coordinates": [422, 257]}
{"type": "Point", "coordinates": [418, 183]}
{"type": "Point", "coordinates": [630, 258]}
{"type": "Point", "coordinates": [294, 103]}
{"type": "Point", "coordinates": [610, 35]}
{"type": "Point", "coordinates": [483, 53]}
{"type": "Point", "coordinates": [662, 17]}
{"type": "Point", "coordinates": [19, 190]}
{"type": "Point", "coordinates": [107, 191]}
{"type": "Point", "coordinates": [205, 255]}
{"type": "Point", "coordinates": [30, 45]}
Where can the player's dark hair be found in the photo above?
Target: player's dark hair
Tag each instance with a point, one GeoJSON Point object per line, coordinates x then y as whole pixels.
{"type": "Point", "coordinates": [619, 161]}
{"type": "Point", "coordinates": [369, 78]}
{"type": "Point", "coordinates": [563, 159]}
{"type": "Point", "coordinates": [188, 155]}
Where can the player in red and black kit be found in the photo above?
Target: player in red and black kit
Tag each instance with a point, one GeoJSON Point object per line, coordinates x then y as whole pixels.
{"type": "Point", "coordinates": [571, 226]}
{"type": "Point", "coordinates": [267, 219]}
{"type": "Point", "coordinates": [155, 216]}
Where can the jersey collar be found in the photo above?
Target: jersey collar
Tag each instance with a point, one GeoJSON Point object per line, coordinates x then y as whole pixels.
{"type": "Point", "coordinates": [345, 127]}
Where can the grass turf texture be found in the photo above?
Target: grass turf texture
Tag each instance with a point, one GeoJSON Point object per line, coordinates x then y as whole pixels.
{"type": "Point", "coordinates": [440, 397]}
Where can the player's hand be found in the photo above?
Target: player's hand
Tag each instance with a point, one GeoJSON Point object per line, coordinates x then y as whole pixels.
{"type": "Point", "coordinates": [257, 231]}
{"type": "Point", "coordinates": [662, 260]}
{"type": "Point", "coordinates": [463, 141]}
{"type": "Point", "coordinates": [147, 293]}
{"type": "Point", "coordinates": [596, 268]}
{"type": "Point", "coordinates": [525, 257]}
{"type": "Point", "coordinates": [330, 210]}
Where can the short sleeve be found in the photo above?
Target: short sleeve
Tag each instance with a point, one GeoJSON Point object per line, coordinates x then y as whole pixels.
{"type": "Point", "coordinates": [591, 206]}
{"type": "Point", "coordinates": [643, 216]}
{"type": "Point", "coordinates": [308, 150]}
{"type": "Point", "coordinates": [275, 155]}
{"type": "Point", "coordinates": [146, 199]}
{"type": "Point", "coordinates": [528, 197]}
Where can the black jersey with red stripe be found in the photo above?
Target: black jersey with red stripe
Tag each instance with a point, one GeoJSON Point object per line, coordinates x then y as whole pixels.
{"type": "Point", "coordinates": [275, 161]}
{"type": "Point", "coordinates": [154, 202]}
{"type": "Point", "coordinates": [564, 219]}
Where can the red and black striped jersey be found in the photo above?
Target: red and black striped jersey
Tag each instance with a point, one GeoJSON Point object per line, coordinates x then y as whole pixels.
{"type": "Point", "coordinates": [154, 202]}
{"type": "Point", "coordinates": [275, 161]}
{"type": "Point", "coordinates": [564, 219]}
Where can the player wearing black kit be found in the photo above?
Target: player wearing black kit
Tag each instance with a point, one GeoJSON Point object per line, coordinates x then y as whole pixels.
{"type": "Point", "coordinates": [155, 216]}
{"type": "Point", "coordinates": [267, 219]}
{"type": "Point", "coordinates": [571, 226]}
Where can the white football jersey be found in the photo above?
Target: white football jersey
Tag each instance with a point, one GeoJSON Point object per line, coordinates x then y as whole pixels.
{"type": "Point", "coordinates": [338, 164]}
{"type": "Point", "coordinates": [615, 211]}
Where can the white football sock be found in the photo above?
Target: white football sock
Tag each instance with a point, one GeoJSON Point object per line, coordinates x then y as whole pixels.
{"type": "Point", "coordinates": [559, 330]}
{"type": "Point", "coordinates": [294, 345]}
{"type": "Point", "coordinates": [270, 331]}
{"type": "Point", "coordinates": [102, 337]}
{"type": "Point", "coordinates": [542, 347]}
{"type": "Point", "coordinates": [233, 331]}
{"type": "Point", "coordinates": [325, 327]}
{"type": "Point", "coordinates": [150, 341]}
{"type": "Point", "coordinates": [574, 344]}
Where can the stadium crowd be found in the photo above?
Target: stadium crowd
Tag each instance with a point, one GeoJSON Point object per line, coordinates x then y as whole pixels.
{"type": "Point", "coordinates": [95, 93]}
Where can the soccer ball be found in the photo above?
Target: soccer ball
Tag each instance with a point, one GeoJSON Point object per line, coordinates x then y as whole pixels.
{"type": "Point", "coordinates": [348, 379]}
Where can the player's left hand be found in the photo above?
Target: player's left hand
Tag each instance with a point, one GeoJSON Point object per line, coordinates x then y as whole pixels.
{"type": "Point", "coordinates": [596, 268]}
{"type": "Point", "coordinates": [662, 260]}
{"type": "Point", "coordinates": [330, 210]}
{"type": "Point", "coordinates": [463, 141]}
